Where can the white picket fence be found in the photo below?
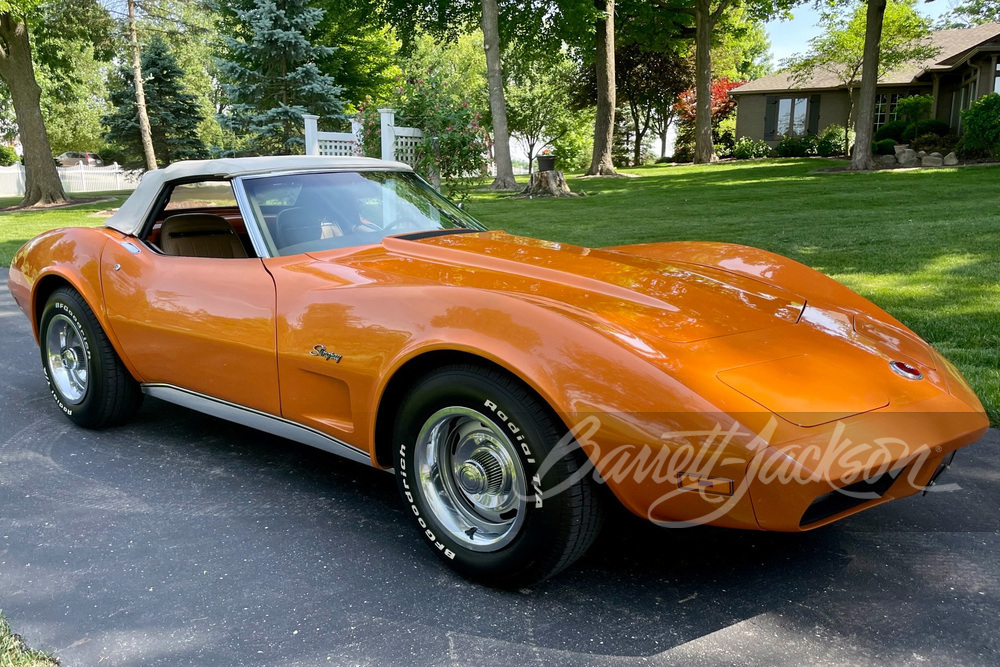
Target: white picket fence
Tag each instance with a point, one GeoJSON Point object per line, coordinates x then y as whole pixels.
{"type": "Point", "coordinates": [398, 143]}
{"type": "Point", "coordinates": [76, 179]}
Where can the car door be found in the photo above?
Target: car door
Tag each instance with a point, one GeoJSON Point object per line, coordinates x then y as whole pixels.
{"type": "Point", "coordinates": [204, 324]}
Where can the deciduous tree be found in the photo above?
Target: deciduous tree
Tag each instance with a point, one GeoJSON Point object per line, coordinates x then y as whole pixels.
{"type": "Point", "coordinates": [499, 24]}
{"type": "Point", "coordinates": [539, 101]}
{"type": "Point", "coordinates": [722, 106]}
{"type": "Point", "coordinates": [707, 15]}
{"type": "Point", "coordinates": [602, 163]}
{"type": "Point", "coordinates": [650, 82]}
{"type": "Point", "coordinates": [366, 60]}
{"type": "Point", "coordinates": [972, 12]}
{"type": "Point", "coordinates": [17, 70]}
{"type": "Point", "coordinates": [881, 35]}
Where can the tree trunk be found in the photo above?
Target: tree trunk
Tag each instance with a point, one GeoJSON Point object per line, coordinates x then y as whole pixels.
{"type": "Point", "coordinates": [704, 148]}
{"type": "Point", "coordinates": [637, 145]}
{"type": "Point", "coordinates": [140, 93]}
{"type": "Point", "coordinates": [498, 106]}
{"type": "Point", "coordinates": [42, 184]}
{"type": "Point", "coordinates": [847, 124]}
{"type": "Point", "coordinates": [604, 126]}
{"type": "Point", "coordinates": [863, 131]}
{"type": "Point", "coordinates": [663, 129]}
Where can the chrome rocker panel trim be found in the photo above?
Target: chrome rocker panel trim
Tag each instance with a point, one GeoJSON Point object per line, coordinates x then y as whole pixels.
{"type": "Point", "coordinates": [256, 419]}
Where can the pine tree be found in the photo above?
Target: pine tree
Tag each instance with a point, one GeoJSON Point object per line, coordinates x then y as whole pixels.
{"type": "Point", "coordinates": [272, 75]}
{"type": "Point", "coordinates": [174, 115]}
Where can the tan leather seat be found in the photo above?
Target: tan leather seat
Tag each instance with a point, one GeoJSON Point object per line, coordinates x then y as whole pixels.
{"type": "Point", "coordinates": [200, 235]}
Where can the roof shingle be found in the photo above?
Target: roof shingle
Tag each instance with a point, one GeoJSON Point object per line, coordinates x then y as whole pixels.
{"type": "Point", "coordinates": [952, 44]}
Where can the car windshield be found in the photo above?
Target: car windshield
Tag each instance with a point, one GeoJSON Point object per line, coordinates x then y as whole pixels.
{"type": "Point", "coordinates": [309, 212]}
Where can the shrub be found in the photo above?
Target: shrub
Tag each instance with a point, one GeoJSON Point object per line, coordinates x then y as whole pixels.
{"type": "Point", "coordinates": [750, 149]}
{"type": "Point", "coordinates": [932, 126]}
{"type": "Point", "coordinates": [831, 140]}
{"type": "Point", "coordinates": [827, 146]}
{"type": "Point", "coordinates": [932, 143]}
{"type": "Point", "coordinates": [894, 130]}
{"type": "Point", "coordinates": [8, 156]}
{"type": "Point", "coordinates": [792, 147]}
{"type": "Point", "coordinates": [914, 109]}
{"type": "Point", "coordinates": [884, 147]}
{"type": "Point", "coordinates": [683, 152]}
{"type": "Point", "coordinates": [982, 128]}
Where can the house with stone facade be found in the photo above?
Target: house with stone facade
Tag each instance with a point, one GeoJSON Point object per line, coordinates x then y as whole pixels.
{"type": "Point", "coordinates": [966, 67]}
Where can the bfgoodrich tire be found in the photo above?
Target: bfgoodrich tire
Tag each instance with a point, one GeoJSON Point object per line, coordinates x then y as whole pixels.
{"type": "Point", "coordinates": [88, 381]}
{"type": "Point", "coordinates": [475, 453]}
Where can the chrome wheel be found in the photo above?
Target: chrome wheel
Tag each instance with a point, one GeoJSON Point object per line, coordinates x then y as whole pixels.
{"type": "Point", "coordinates": [471, 478]}
{"type": "Point", "coordinates": [68, 359]}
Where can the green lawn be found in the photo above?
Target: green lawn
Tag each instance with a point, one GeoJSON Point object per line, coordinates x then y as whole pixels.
{"type": "Point", "coordinates": [13, 652]}
{"type": "Point", "coordinates": [924, 245]}
{"type": "Point", "coordinates": [18, 227]}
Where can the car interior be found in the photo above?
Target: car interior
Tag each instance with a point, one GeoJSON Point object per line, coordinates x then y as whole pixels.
{"type": "Point", "coordinates": [200, 220]}
{"type": "Point", "coordinates": [300, 213]}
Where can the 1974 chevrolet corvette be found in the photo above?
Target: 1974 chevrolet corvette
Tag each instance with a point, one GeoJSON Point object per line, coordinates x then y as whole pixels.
{"type": "Point", "coordinates": [515, 386]}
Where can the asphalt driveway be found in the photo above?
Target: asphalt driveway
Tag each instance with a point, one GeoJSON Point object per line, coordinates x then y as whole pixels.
{"type": "Point", "coordinates": [180, 539]}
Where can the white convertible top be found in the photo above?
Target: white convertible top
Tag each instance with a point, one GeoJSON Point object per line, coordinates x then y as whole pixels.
{"type": "Point", "coordinates": [133, 212]}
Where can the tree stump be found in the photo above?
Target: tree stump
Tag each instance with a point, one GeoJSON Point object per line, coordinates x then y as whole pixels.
{"type": "Point", "coordinates": [548, 184]}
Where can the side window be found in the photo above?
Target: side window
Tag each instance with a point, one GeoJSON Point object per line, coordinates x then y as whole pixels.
{"type": "Point", "coordinates": [201, 220]}
{"type": "Point", "coordinates": [206, 194]}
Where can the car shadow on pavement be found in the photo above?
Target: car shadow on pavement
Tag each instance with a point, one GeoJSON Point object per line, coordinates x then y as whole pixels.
{"type": "Point", "coordinates": [185, 539]}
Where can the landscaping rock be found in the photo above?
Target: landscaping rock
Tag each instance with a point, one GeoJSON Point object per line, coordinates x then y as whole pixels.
{"type": "Point", "coordinates": [908, 155]}
{"type": "Point", "coordinates": [931, 161]}
{"type": "Point", "coordinates": [900, 149]}
{"type": "Point", "coordinates": [936, 154]}
{"type": "Point", "coordinates": [911, 162]}
{"type": "Point", "coordinates": [950, 160]}
{"type": "Point", "coordinates": [922, 154]}
{"type": "Point", "coordinates": [888, 160]}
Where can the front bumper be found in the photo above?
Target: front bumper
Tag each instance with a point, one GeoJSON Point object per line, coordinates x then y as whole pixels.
{"type": "Point", "coordinates": [863, 462]}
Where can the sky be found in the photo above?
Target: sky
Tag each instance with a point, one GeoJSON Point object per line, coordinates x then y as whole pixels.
{"type": "Point", "coordinates": [791, 37]}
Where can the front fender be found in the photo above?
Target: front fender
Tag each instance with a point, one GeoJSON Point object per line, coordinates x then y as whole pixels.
{"type": "Point", "coordinates": [767, 267]}
{"type": "Point", "coordinates": [63, 256]}
{"type": "Point", "coordinates": [625, 411]}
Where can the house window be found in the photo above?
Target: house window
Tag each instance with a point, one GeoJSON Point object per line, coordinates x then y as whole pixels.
{"type": "Point", "coordinates": [885, 108]}
{"type": "Point", "coordinates": [996, 82]}
{"type": "Point", "coordinates": [964, 97]}
{"type": "Point", "coordinates": [793, 116]}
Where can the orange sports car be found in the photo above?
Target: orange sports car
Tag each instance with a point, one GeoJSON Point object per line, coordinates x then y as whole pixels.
{"type": "Point", "coordinates": [515, 386]}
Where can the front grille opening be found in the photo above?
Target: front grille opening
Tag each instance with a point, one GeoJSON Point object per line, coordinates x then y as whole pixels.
{"type": "Point", "coordinates": [840, 500]}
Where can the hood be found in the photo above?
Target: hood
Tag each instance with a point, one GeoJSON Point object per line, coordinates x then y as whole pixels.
{"type": "Point", "coordinates": [670, 301]}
